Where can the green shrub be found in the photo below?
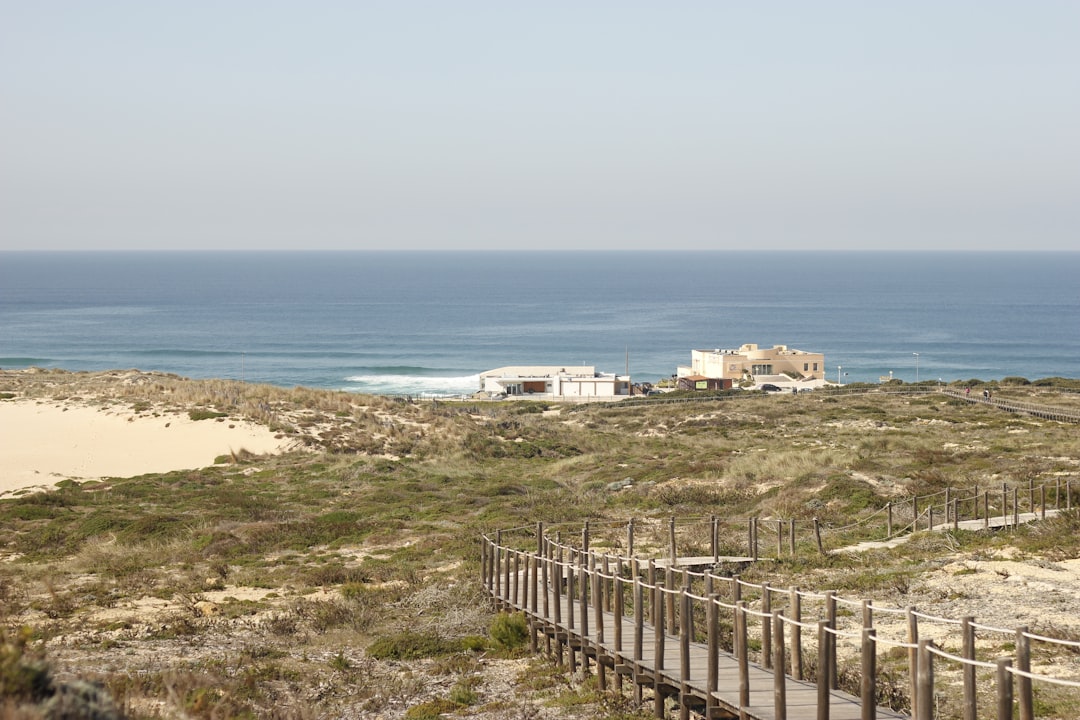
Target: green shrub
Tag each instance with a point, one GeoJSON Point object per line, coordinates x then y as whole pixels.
{"type": "Point", "coordinates": [203, 414]}
{"type": "Point", "coordinates": [509, 631]}
{"type": "Point", "coordinates": [413, 646]}
{"type": "Point", "coordinates": [23, 676]}
{"type": "Point", "coordinates": [431, 710]}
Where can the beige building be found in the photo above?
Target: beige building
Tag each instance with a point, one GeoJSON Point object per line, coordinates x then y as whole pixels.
{"type": "Point", "coordinates": [756, 364]}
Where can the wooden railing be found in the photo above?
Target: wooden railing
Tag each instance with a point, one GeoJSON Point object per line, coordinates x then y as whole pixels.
{"type": "Point", "coordinates": [1046, 412]}
{"type": "Point", "coordinates": [723, 647]}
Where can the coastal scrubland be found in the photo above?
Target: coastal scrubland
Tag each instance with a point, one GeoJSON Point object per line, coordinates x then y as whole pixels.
{"type": "Point", "coordinates": [342, 579]}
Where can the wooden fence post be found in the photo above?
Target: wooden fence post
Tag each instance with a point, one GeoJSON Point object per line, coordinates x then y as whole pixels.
{"type": "Point", "coordinates": [968, 671]}
{"type": "Point", "coordinates": [583, 590]}
{"type": "Point", "coordinates": [913, 655]}
{"type": "Point", "coordinates": [534, 561]}
{"type": "Point", "coordinates": [955, 514]}
{"type": "Point", "coordinates": [986, 509]}
{"type": "Point", "coordinates": [630, 538]}
{"type": "Point", "coordinates": [824, 682]}
{"type": "Point", "coordinates": [556, 591]}
{"type": "Point", "coordinates": [868, 682]}
{"type": "Point", "coordinates": [686, 614]}
{"type": "Point", "coordinates": [506, 577]}
{"type": "Point", "coordinates": [779, 538]}
{"type": "Point", "coordinates": [669, 600]}
{"type": "Point", "coordinates": [598, 618]}
{"type": "Point", "coordinates": [1004, 689]}
{"type": "Point", "coordinates": [744, 663]}
{"type": "Point", "coordinates": [915, 513]}
{"type": "Point", "coordinates": [671, 540]}
{"type": "Point", "coordinates": [484, 562]}
{"type": "Point", "coordinates": [658, 628]}
{"type": "Point", "coordinates": [795, 610]}
{"type": "Point", "coordinates": [1016, 509]}
{"type": "Point", "coordinates": [617, 610]}
{"type": "Point", "coordinates": [714, 539]}
{"type": "Point", "coordinates": [736, 597]}
{"type": "Point", "coordinates": [545, 581]}
{"type": "Point", "coordinates": [791, 536]}
{"type": "Point", "coordinates": [1023, 664]}
{"type": "Point", "coordinates": [779, 679]}
{"type": "Point", "coordinates": [658, 651]}
{"type": "Point", "coordinates": [830, 617]}
{"type": "Point", "coordinates": [888, 520]}
{"type": "Point", "coordinates": [1042, 501]}
{"type": "Point", "coordinates": [766, 626]}
{"type": "Point", "coordinates": [925, 709]}
{"type": "Point", "coordinates": [571, 653]}
{"type": "Point", "coordinates": [712, 676]}
{"type": "Point", "coordinates": [639, 630]}
{"type": "Point", "coordinates": [651, 579]}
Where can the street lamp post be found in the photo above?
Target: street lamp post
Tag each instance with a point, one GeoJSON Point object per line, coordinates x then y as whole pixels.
{"type": "Point", "coordinates": [838, 369]}
{"type": "Point", "coordinates": [916, 367]}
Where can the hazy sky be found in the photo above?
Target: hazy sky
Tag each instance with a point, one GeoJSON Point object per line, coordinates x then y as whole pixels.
{"type": "Point", "coordinates": [259, 124]}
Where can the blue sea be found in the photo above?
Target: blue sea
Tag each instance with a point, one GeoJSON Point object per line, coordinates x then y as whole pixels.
{"type": "Point", "coordinates": [426, 323]}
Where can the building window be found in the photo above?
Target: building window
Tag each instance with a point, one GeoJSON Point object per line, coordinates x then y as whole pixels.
{"type": "Point", "coordinates": [815, 367]}
{"type": "Point", "coordinates": [761, 370]}
{"type": "Point", "coordinates": [806, 366]}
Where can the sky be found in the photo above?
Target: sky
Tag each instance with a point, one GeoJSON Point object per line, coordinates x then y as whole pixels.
{"type": "Point", "coordinates": [561, 125]}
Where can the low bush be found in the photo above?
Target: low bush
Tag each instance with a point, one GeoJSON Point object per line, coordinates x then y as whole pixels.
{"type": "Point", "coordinates": [509, 631]}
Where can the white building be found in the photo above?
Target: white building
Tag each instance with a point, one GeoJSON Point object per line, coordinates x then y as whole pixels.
{"type": "Point", "coordinates": [555, 381]}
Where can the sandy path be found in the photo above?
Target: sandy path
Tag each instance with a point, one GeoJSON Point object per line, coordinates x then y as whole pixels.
{"type": "Point", "coordinates": [43, 442]}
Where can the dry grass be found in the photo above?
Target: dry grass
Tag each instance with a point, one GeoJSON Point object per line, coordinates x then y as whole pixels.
{"type": "Point", "coordinates": [254, 588]}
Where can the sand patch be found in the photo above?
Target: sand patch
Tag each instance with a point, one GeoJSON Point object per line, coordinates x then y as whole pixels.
{"type": "Point", "coordinates": [49, 441]}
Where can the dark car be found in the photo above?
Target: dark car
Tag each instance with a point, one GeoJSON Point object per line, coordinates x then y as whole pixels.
{"type": "Point", "coordinates": [769, 387]}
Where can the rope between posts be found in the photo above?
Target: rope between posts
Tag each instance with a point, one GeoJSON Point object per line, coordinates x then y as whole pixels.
{"type": "Point", "coordinates": [956, 658]}
{"type": "Point", "coordinates": [793, 621]}
{"type": "Point", "coordinates": [888, 610]}
{"type": "Point", "coordinates": [1058, 641]}
{"type": "Point", "coordinates": [850, 603]}
{"type": "Point", "coordinates": [1043, 678]}
{"type": "Point", "coordinates": [841, 633]}
{"type": "Point", "coordinates": [991, 628]}
{"type": "Point", "coordinates": [934, 618]}
{"type": "Point", "coordinates": [895, 643]}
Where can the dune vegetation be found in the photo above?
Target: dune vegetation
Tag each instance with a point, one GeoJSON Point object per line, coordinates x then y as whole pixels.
{"type": "Point", "coordinates": [342, 579]}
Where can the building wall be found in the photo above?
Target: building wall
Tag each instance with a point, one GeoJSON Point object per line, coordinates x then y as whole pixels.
{"type": "Point", "coordinates": [750, 359]}
{"type": "Point", "coordinates": [555, 380]}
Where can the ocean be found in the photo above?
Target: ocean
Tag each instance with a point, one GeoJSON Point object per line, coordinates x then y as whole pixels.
{"type": "Point", "coordinates": [426, 323]}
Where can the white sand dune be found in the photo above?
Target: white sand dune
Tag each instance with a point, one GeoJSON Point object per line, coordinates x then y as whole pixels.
{"type": "Point", "coordinates": [44, 442]}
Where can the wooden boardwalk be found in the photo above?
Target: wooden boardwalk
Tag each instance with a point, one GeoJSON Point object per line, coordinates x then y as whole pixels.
{"type": "Point", "coordinates": [690, 630]}
{"type": "Point", "coordinates": [579, 612]}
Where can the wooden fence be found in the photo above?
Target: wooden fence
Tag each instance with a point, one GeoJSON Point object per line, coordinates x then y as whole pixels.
{"type": "Point", "coordinates": [722, 647]}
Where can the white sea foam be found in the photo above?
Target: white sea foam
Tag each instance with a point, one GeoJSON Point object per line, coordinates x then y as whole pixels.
{"type": "Point", "coordinates": [421, 385]}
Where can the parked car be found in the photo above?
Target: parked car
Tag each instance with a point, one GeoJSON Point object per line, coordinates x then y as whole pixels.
{"type": "Point", "coordinates": [769, 387]}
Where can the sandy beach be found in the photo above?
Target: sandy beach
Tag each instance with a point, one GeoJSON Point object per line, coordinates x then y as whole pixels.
{"type": "Point", "coordinates": [46, 441]}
